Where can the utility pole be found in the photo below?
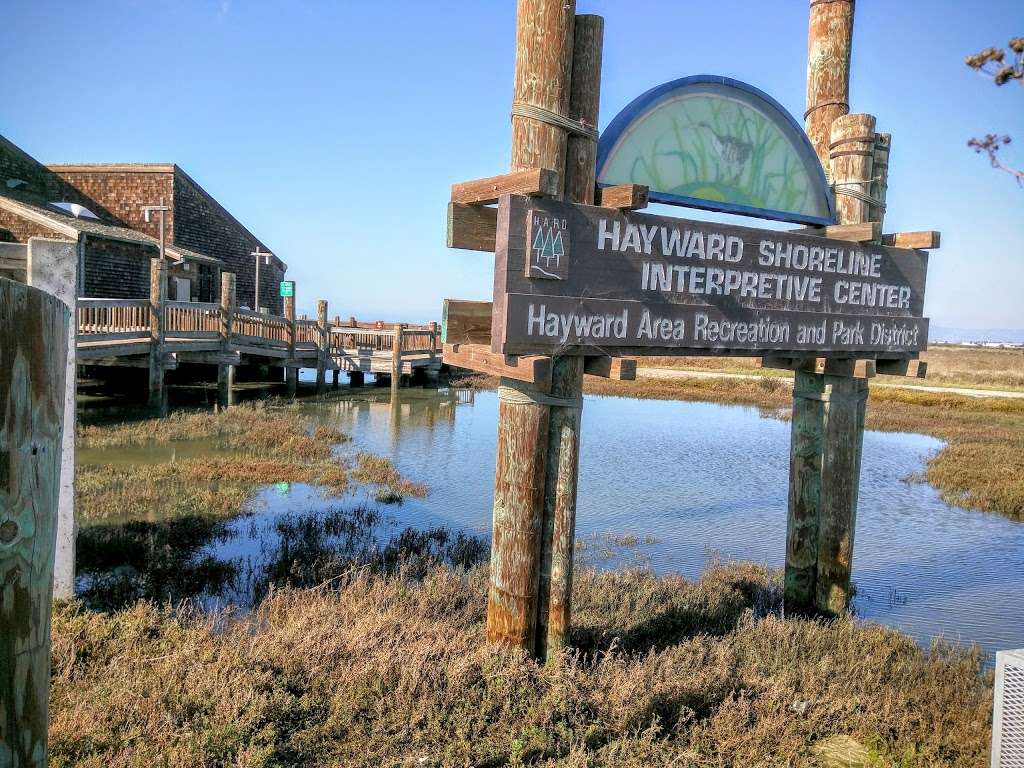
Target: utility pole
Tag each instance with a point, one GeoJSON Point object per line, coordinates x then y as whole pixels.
{"type": "Point", "coordinates": [260, 255]}
{"type": "Point", "coordinates": [157, 299]}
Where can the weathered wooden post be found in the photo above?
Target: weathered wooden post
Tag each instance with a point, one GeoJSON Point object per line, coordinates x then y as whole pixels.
{"type": "Point", "coordinates": [157, 301]}
{"type": "Point", "coordinates": [544, 40]}
{"type": "Point", "coordinates": [561, 471]}
{"type": "Point", "coordinates": [829, 42]}
{"type": "Point", "coordinates": [396, 357]}
{"type": "Point", "coordinates": [226, 371]}
{"type": "Point", "coordinates": [806, 443]}
{"type": "Point", "coordinates": [291, 371]}
{"type": "Point", "coordinates": [53, 266]}
{"type": "Point", "coordinates": [322, 346]}
{"type": "Point", "coordinates": [852, 154]}
{"type": "Point", "coordinates": [33, 360]}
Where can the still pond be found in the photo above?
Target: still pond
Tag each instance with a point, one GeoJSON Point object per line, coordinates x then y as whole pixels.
{"type": "Point", "coordinates": [670, 485]}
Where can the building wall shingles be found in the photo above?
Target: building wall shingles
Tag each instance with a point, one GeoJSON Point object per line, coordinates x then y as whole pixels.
{"type": "Point", "coordinates": [117, 270]}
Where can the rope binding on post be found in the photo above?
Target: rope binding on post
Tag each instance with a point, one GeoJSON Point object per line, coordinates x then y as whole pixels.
{"type": "Point", "coordinates": [507, 394]}
{"type": "Point", "coordinates": [532, 112]}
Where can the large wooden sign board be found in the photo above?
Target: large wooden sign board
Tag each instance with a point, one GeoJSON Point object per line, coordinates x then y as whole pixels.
{"type": "Point", "coordinates": [576, 279]}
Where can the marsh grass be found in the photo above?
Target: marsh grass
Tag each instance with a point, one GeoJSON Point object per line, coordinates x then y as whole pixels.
{"type": "Point", "coordinates": [264, 445]}
{"type": "Point", "coordinates": [379, 471]}
{"type": "Point", "coordinates": [374, 670]}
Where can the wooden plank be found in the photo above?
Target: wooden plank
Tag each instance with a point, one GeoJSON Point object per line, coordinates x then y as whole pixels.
{"type": "Point", "coordinates": [33, 368]}
{"type": "Point", "coordinates": [924, 240]}
{"type": "Point", "coordinates": [861, 369]}
{"type": "Point", "coordinates": [533, 182]}
{"type": "Point", "coordinates": [625, 197]}
{"type": "Point", "coordinates": [534, 370]}
{"type": "Point", "coordinates": [917, 369]}
{"type": "Point", "coordinates": [466, 322]}
{"type": "Point", "coordinates": [863, 232]}
{"type": "Point", "coordinates": [134, 361]}
{"type": "Point", "coordinates": [472, 227]}
{"type": "Point", "coordinates": [619, 368]}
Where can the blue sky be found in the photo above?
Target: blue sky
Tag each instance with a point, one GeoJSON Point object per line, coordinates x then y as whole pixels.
{"type": "Point", "coordinates": [333, 130]}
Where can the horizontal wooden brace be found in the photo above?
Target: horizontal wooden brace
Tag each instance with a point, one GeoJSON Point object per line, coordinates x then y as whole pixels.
{"type": "Point", "coordinates": [830, 366]}
{"type": "Point", "coordinates": [535, 182]}
{"type": "Point", "coordinates": [625, 197]}
{"type": "Point", "coordinates": [619, 368]}
{"type": "Point", "coordinates": [472, 227]}
{"type": "Point", "coordinates": [533, 369]}
{"type": "Point", "coordinates": [916, 369]}
{"type": "Point", "coordinates": [925, 240]}
{"type": "Point", "coordinates": [855, 233]}
{"type": "Point", "coordinates": [466, 322]}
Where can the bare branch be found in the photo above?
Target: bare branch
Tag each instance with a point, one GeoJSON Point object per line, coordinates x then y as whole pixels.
{"type": "Point", "coordinates": [991, 145]}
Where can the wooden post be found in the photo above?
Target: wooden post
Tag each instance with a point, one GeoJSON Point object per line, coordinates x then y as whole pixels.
{"type": "Point", "coordinates": [225, 371]}
{"type": "Point", "coordinates": [157, 300]}
{"type": "Point", "coordinates": [544, 40]}
{"type": "Point", "coordinates": [562, 462]}
{"type": "Point", "coordinates": [355, 378]}
{"type": "Point", "coordinates": [851, 157]}
{"type": "Point", "coordinates": [33, 360]}
{"type": "Point", "coordinates": [880, 176]}
{"type": "Point", "coordinates": [291, 372]}
{"type": "Point", "coordinates": [806, 442]}
{"type": "Point", "coordinates": [433, 339]}
{"type": "Point", "coordinates": [322, 347]}
{"type": "Point", "coordinates": [829, 40]}
{"type": "Point", "coordinates": [54, 266]}
{"type": "Point", "coordinates": [396, 357]}
{"type": "Point", "coordinates": [840, 480]}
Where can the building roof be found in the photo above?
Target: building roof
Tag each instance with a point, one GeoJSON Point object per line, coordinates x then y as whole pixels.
{"type": "Point", "coordinates": [31, 208]}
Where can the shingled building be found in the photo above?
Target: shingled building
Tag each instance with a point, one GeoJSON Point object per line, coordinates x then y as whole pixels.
{"type": "Point", "coordinates": [100, 207]}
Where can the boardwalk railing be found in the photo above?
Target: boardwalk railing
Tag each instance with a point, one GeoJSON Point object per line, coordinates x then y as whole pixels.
{"type": "Point", "coordinates": [191, 320]}
{"type": "Point", "coordinates": [113, 319]}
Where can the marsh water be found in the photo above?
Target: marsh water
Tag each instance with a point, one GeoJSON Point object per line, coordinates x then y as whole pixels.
{"type": "Point", "coordinates": [670, 485]}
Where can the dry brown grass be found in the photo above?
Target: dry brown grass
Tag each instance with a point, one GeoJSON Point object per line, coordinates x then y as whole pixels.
{"type": "Point", "coordinates": [379, 471]}
{"type": "Point", "coordinates": [266, 444]}
{"type": "Point", "coordinates": [389, 672]}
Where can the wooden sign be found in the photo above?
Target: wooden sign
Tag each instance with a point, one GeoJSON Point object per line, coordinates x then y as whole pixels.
{"type": "Point", "coordinates": [578, 279]}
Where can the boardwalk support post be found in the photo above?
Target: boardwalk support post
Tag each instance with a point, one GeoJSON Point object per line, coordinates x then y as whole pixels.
{"type": "Point", "coordinates": [396, 357]}
{"type": "Point", "coordinates": [157, 300]}
{"type": "Point", "coordinates": [33, 364]}
{"type": "Point", "coordinates": [291, 372]}
{"type": "Point", "coordinates": [322, 343]}
{"type": "Point", "coordinates": [225, 371]}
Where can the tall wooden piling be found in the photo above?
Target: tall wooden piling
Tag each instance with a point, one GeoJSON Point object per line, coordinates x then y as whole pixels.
{"type": "Point", "coordinates": [226, 371]}
{"type": "Point", "coordinates": [852, 160]}
{"type": "Point", "coordinates": [291, 372]}
{"type": "Point", "coordinates": [396, 357]}
{"type": "Point", "coordinates": [840, 481]}
{"type": "Point", "coordinates": [544, 39]}
{"type": "Point", "coordinates": [806, 443]}
{"type": "Point", "coordinates": [33, 359]}
{"type": "Point", "coordinates": [323, 347]}
{"type": "Point", "coordinates": [562, 462]}
{"type": "Point", "coordinates": [157, 301]}
{"type": "Point", "coordinates": [829, 42]}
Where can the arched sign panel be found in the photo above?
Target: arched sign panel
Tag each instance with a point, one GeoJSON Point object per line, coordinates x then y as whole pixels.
{"type": "Point", "coordinates": [719, 144]}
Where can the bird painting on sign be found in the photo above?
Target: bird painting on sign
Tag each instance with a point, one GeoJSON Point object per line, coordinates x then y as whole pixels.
{"type": "Point", "coordinates": [549, 246]}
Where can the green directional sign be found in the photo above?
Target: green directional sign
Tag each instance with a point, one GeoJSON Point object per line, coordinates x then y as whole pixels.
{"type": "Point", "coordinates": [287, 288]}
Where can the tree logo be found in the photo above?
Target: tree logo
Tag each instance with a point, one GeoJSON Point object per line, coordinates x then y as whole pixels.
{"type": "Point", "coordinates": [548, 251]}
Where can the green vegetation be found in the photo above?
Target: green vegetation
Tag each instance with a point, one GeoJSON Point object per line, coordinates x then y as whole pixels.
{"type": "Point", "coordinates": [391, 671]}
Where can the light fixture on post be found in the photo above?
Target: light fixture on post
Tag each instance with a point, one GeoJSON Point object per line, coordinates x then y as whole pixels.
{"type": "Point", "coordinates": [147, 215]}
{"type": "Point", "coordinates": [264, 258]}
